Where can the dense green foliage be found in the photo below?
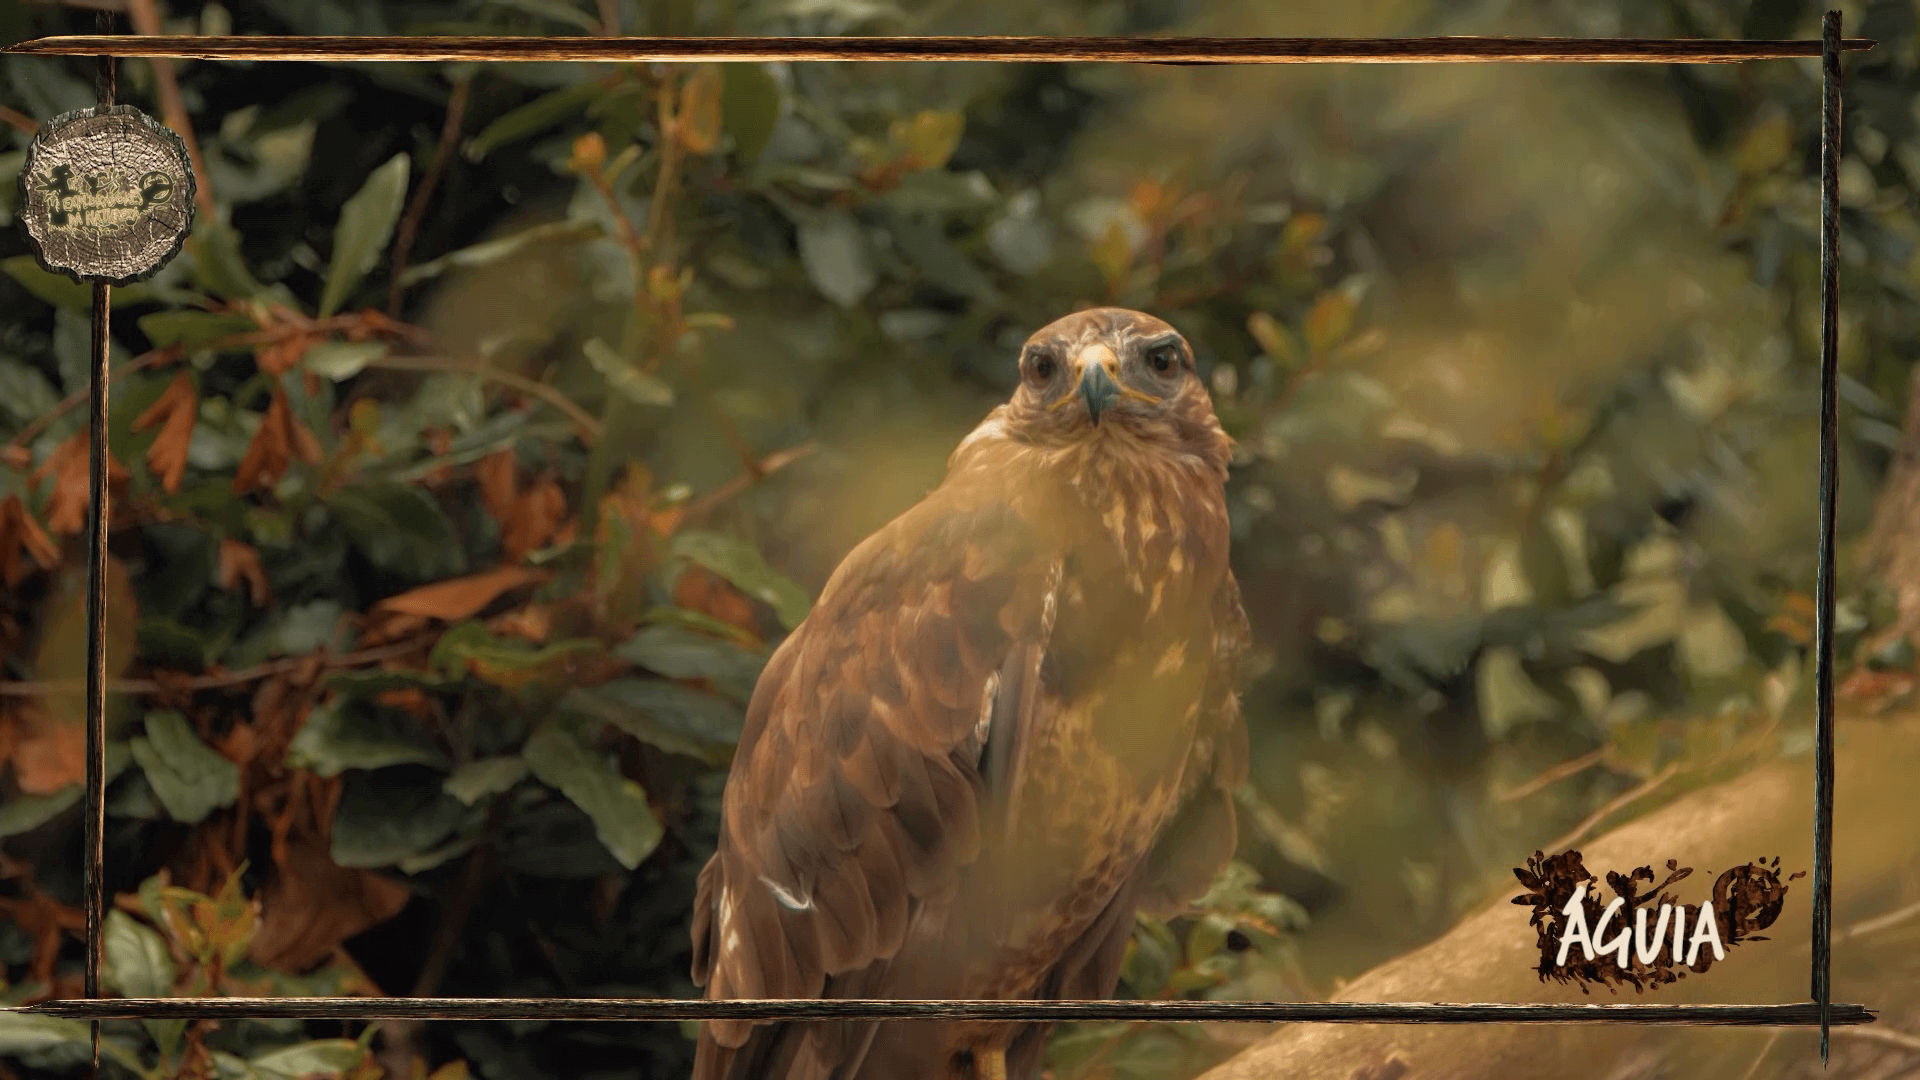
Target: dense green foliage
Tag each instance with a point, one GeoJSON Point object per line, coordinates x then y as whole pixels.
{"type": "Point", "coordinates": [465, 480]}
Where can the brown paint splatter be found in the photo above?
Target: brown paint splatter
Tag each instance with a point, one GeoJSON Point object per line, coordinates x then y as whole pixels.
{"type": "Point", "coordinates": [1746, 900]}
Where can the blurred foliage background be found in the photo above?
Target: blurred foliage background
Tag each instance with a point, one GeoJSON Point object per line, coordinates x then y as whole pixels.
{"type": "Point", "coordinates": [497, 420]}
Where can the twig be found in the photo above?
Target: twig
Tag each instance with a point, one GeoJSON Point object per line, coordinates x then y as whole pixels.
{"type": "Point", "coordinates": [1613, 805]}
{"type": "Point", "coordinates": [1554, 775]}
{"type": "Point", "coordinates": [1883, 1036]}
{"type": "Point", "coordinates": [417, 209]}
{"type": "Point", "coordinates": [145, 16]}
{"type": "Point", "coordinates": [32, 688]}
{"type": "Point", "coordinates": [584, 420]}
{"type": "Point", "coordinates": [1772, 1038]}
{"type": "Point", "coordinates": [1878, 923]}
{"type": "Point", "coordinates": [19, 119]}
{"type": "Point", "coordinates": [155, 358]}
{"type": "Point", "coordinates": [766, 467]}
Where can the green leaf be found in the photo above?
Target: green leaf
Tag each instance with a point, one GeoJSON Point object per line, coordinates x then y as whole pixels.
{"type": "Point", "coordinates": [55, 289]}
{"type": "Point", "coordinates": [621, 817]}
{"type": "Point", "coordinates": [138, 963]}
{"type": "Point", "coordinates": [469, 648]}
{"type": "Point", "coordinates": [679, 653]}
{"type": "Point", "coordinates": [478, 779]}
{"type": "Point", "coordinates": [338, 736]}
{"type": "Point", "coordinates": [218, 265]}
{"type": "Point", "coordinates": [366, 224]}
{"type": "Point", "coordinates": [193, 329]}
{"type": "Point", "coordinates": [675, 718]}
{"type": "Point", "coordinates": [388, 816]}
{"type": "Point", "coordinates": [167, 639]}
{"type": "Point", "coordinates": [834, 253]}
{"type": "Point", "coordinates": [624, 376]}
{"type": "Point", "coordinates": [749, 108]}
{"type": "Point", "coordinates": [741, 564]}
{"type": "Point", "coordinates": [532, 118]}
{"type": "Point", "coordinates": [399, 528]}
{"type": "Point", "coordinates": [367, 682]}
{"type": "Point", "coordinates": [25, 394]}
{"type": "Point", "coordinates": [24, 813]}
{"type": "Point", "coordinates": [322, 1057]}
{"type": "Point", "coordinates": [189, 777]}
{"type": "Point", "coordinates": [339, 360]}
{"type": "Point", "coordinates": [29, 1033]}
{"type": "Point", "coordinates": [494, 251]}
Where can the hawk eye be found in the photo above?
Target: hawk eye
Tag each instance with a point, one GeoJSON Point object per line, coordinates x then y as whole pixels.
{"type": "Point", "coordinates": [1163, 359]}
{"type": "Point", "coordinates": [1042, 366]}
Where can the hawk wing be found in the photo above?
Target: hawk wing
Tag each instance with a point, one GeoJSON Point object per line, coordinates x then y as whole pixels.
{"type": "Point", "coordinates": [1198, 842]}
{"type": "Point", "coordinates": [857, 793]}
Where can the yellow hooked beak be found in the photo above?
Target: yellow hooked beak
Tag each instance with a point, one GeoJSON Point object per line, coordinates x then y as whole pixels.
{"type": "Point", "coordinates": [1100, 384]}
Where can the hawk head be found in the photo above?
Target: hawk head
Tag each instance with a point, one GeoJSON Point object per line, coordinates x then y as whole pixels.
{"type": "Point", "coordinates": [1114, 374]}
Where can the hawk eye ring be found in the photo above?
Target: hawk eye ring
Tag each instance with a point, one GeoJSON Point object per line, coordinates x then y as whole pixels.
{"type": "Point", "coordinates": [1042, 367]}
{"type": "Point", "coordinates": [1161, 359]}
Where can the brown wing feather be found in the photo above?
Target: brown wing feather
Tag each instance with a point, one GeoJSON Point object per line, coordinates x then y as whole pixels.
{"type": "Point", "coordinates": [855, 794]}
{"type": "Point", "coordinates": [1199, 841]}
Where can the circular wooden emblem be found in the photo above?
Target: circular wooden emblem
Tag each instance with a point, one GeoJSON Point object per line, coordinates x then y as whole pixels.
{"type": "Point", "coordinates": [106, 195]}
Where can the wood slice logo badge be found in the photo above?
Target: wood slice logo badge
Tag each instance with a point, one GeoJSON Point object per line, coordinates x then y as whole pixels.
{"type": "Point", "coordinates": [106, 195]}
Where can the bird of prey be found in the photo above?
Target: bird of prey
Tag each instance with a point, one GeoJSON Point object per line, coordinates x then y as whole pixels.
{"type": "Point", "coordinates": [1008, 725]}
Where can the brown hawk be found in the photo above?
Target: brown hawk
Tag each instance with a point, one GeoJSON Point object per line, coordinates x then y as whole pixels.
{"type": "Point", "coordinates": [1008, 725]}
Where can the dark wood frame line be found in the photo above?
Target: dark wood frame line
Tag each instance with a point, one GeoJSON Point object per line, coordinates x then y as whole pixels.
{"type": "Point", "coordinates": [1820, 1011]}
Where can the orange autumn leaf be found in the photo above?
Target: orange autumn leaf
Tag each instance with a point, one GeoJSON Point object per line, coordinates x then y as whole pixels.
{"type": "Point", "coordinates": [706, 592]}
{"type": "Point", "coordinates": [68, 466]}
{"type": "Point", "coordinates": [49, 755]}
{"type": "Point", "coordinates": [460, 597]}
{"type": "Point", "coordinates": [279, 356]}
{"type": "Point", "coordinates": [43, 919]}
{"type": "Point", "coordinates": [536, 516]}
{"type": "Point", "coordinates": [312, 904]}
{"type": "Point", "coordinates": [175, 411]}
{"type": "Point", "coordinates": [279, 439]}
{"type": "Point", "coordinates": [498, 488]}
{"type": "Point", "coordinates": [20, 534]}
{"type": "Point", "coordinates": [240, 564]}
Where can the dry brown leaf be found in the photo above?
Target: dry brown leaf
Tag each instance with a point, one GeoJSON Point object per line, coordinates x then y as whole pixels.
{"type": "Point", "coordinates": [699, 589]}
{"type": "Point", "coordinates": [459, 597]}
{"type": "Point", "coordinates": [536, 516]}
{"type": "Point", "coordinates": [240, 564]}
{"type": "Point", "coordinates": [533, 622]}
{"type": "Point", "coordinates": [43, 919]}
{"type": "Point", "coordinates": [498, 488]}
{"type": "Point", "coordinates": [279, 356]}
{"type": "Point", "coordinates": [312, 905]}
{"type": "Point", "coordinates": [19, 534]}
{"type": "Point", "coordinates": [50, 754]}
{"type": "Point", "coordinates": [68, 466]}
{"type": "Point", "coordinates": [625, 552]}
{"type": "Point", "coordinates": [175, 411]}
{"type": "Point", "coordinates": [279, 439]}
